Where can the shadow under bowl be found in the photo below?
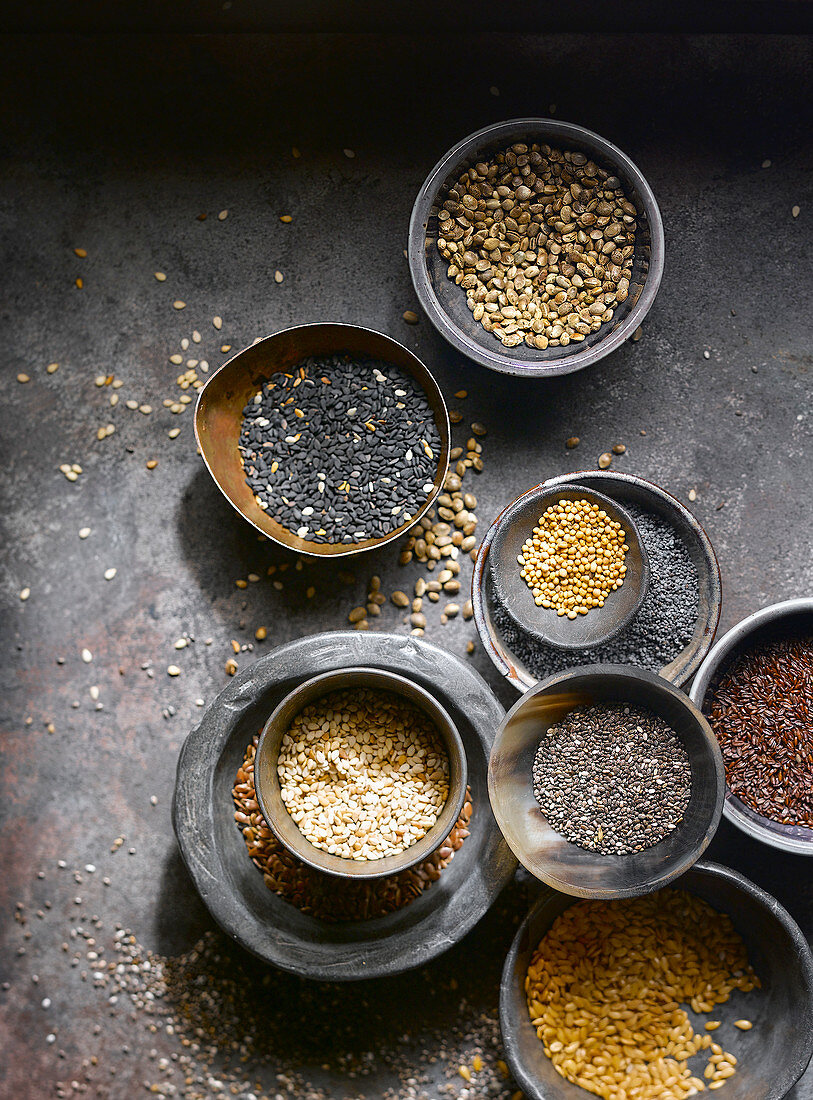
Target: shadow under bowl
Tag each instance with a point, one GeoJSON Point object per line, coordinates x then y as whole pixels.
{"type": "Point", "coordinates": [771, 1057]}
{"type": "Point", "coordinates": [765, 625]}
{"type": "Point", "coordinates": [515, 524]}
{"type": "Point", "coordinates": [630, 491]}
{"type": "Point", "coordinates": [445, 302]}
{"type": "Point", "coordinates": [219, 418]}
{"type": "Point", "coordinates": [546, 853]}
{"type": "Point", "coordinates": [269, 794]}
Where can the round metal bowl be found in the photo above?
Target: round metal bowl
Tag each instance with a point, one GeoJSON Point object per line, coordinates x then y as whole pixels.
{"type": "Point", "coordinates": [276, 813]}
{"type": "Point", "coordinates": [771, 1057]}
{"type": "Point", "coordinates": [628, 490]}
{"type": "Point", "coordinates": [445, 302]}
{"type": "Point", "coordinates": [231, 886]}
{"type": "Point", "coordinates": [546, 853]}
{"type": "Point", "coordinates": [516, 523]}
{"type": "Point", "coordinates": [219, 417]}
{"type": "Point", "coordinates": [770, 622]}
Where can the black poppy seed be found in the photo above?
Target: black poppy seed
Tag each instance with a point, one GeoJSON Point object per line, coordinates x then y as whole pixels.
{"type": "Point", "coordinates": [612, 778]}
{"type": "Point", "coordinates": [345, 467]}
{"type": "Point", "coordinates": [661, 629]}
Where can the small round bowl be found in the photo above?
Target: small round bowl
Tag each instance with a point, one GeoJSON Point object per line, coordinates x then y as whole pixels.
{"type": "Point", "coordinates": [768, 623]}
{"type": "Point", "coordinates": [629, 491]}
{"type": "Point", "coordinates": [219, 417]}
{"type": "Point", "coordinates": [267, 781]}
{"type": "Point", "coordinates": [445, 302]}
{"type": "Point", "coordinates": [515, 524]}
{"type": "Point", "coordinates": [545, 852]}
{"type": "Point", "coordinates": [771, 1057]}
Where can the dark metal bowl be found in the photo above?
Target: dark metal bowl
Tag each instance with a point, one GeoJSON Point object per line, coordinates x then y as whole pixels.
{"type": "Point", "coordinates": [276, 813]}
{"type": "Point", "coordinates": [771, 1057]}
{"type": "Point", "coordinates": [445, 302]}
{"type": "Point", "coordinates": [546, 853]}
{"type": "Point", "coordinates": [219, 416]}
{"type": "Point", "coordinates": [514, 526]}
{"type": "Point", "coordinates": [215, 853]}
{"type": "Point", "coordinates": [770, 622]}
{"type": "Point", "coordinates": [627, 490]}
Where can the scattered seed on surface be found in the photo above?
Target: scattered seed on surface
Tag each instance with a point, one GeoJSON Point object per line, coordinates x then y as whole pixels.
{"type": "Point", "coordinates": [278, 276]}
{"type": "Point", "coordinates": [173, 670]}
{"type": "Point", "coordinates": [109, 574]}
{"type": "Point", "coordinates": [25, 593]}
{"type": "Point", "coordinates": [410, 316]}
{"type": "Point", "coordinates": [160, 276]}
{"type": "Point", "coordinates": [604, 460]}
{"type": "Point", "coordinates": [87, 656]}
{"type": "Point", "coordinates": [222, 215]}
{"type": "Point", "coordinates": [178, 304]}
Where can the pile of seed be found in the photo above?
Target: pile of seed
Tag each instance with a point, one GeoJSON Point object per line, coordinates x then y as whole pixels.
{"type": "Point", "coordinates": [574, 557]}
{"type": "Point", "coordinates": [761, 710]}
{"type": "Point", "coordinates": [363, 773]}
{"type": "Point", "coordinates": [662, 628]}
{"type": "Point", "coordinates": [612, 778]}
{"type": "Point", "coordinates": [542, 242]}
{"type": "Point", "coordinates": [340, 450]}
{"type": "Point", "coordinates": [324, 896]}
{"type": "Point", "coordinates": [606, 984]}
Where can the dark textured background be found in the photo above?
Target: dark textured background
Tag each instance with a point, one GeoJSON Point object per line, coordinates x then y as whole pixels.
{"type": "Point", "coordinates": [115, 145]}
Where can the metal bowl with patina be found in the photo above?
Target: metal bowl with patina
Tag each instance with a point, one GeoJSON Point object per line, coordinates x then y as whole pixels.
{"type": "Point", "coordinates": [219, 417]}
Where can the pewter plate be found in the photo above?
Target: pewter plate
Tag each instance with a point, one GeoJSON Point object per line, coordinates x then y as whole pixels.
{"type": "Point", "coordinates": [231, 886]}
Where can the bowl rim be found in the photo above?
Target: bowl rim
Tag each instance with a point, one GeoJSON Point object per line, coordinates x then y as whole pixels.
{"type": "Point", "coordinates": [338, 550]}
{"type": "Point", "coordinates": [705, 869]}
{"type": "Point", "coordinates": [499, 361]}
{"type": "Point", "coordinates": [302, 696]}
{"type": "Point", "coordinates": [750, 823]}
{"type": "Point", "coordinates": [488, 639]}
{"type": "Point", "coordinates": [541, 493]}
{"type": "Point", "coordinates": [683, 862]}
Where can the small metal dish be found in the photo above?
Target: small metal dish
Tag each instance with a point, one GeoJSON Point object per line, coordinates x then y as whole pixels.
{"type": "Point", "coordinates": [628, 490]}
{"type": "Point", "coordinates": [514, 526]}
{"type": "Point", "coordinates": [268, 788]}
{"type": "Point", "coordinates": [445, 302]}
{"type": "Point", "coordinates": [768, 623]}
{"type": "Point", "coordinates": [219, 417]}
{"type": "Point", "coordinates": [771, 1056]}
{"type": "Point", "coordinates": [546, 853]}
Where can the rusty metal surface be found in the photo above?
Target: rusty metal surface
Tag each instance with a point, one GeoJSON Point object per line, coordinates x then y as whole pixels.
{"type": "Point", "coordinates": [116, 146]}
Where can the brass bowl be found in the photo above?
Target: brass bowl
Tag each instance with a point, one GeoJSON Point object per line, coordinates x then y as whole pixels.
{"type": "Point", "coordinates": [276, 812]}
{"type": "Point", "coordinates": [219, 417]}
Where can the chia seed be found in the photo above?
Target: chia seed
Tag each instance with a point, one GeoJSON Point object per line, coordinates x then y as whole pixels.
{"type": "Point", "coordinates": [662, 628]}
{"type": "Point", "coordinates": [612, 778]}
{"type": "Point", "coordinates": [340, 449]}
